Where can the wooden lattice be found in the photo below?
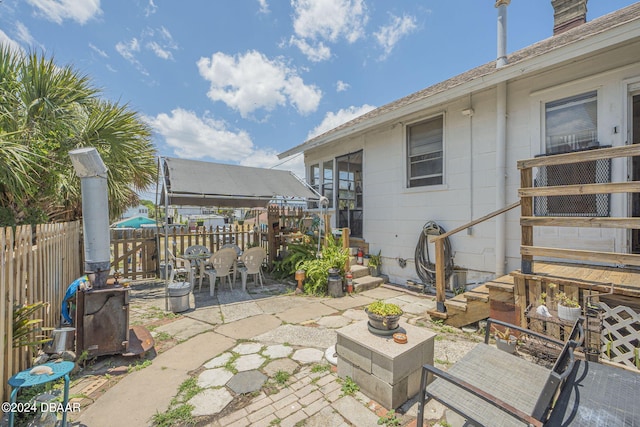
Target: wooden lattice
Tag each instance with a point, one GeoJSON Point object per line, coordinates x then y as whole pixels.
{"type": "Point", "coordinates": [620, 335]}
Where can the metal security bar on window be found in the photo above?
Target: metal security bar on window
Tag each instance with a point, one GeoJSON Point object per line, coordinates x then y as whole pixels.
{"type": "Point", "coordinates": [589, 205]}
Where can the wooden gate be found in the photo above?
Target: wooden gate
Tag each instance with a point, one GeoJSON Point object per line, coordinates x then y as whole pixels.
{"type": "Point", "coordinates": [135, 254]}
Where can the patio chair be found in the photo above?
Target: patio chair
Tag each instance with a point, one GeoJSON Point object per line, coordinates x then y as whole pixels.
{"type": "Point", "coordinates": [490, 387]}
{"type": "Point", "coordinates": [252, 260]}
{"type": "Point", "coordinates": [180, 268]}
{"type": "Point", "coordinates": [193, 253]}
{"type": "Point", "coordinates": [221, 266]}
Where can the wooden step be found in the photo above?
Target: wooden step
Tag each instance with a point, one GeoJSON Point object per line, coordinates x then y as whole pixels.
{"type": "Point", "coordinates": [435, 314]}
{"type": "Point", "coordinates": [456, 305]}
{"type": "Point", "coordinates": [504, 283]}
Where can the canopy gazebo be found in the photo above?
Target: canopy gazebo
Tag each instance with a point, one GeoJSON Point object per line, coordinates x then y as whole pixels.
{"type": "Point", "coordinates": [197, 183]}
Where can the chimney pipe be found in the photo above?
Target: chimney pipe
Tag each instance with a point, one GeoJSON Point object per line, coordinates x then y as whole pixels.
{"type": "Point", "coordinates": [568, 14]}
{"type": "Point", "coordinates": [95, 212]}
{"type": "Point", "coordinates": [501, 5]}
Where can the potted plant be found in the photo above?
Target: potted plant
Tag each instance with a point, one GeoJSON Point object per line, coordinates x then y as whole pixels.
{"type": "Point", "coordinates": [383, 315]}
{"type": "Point", "coordinates": [505, 341]}
{"type": "Point", "coordinates": [568, 307]}
{"type": "Point", "coordinates": [374, 264]}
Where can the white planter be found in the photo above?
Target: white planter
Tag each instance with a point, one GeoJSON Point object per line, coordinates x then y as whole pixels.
{"type": "Point", "coordinates": [569, 313]}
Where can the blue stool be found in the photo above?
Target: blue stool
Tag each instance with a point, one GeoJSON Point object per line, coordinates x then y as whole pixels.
{"type": "Point", "coordinates": [25, 379]}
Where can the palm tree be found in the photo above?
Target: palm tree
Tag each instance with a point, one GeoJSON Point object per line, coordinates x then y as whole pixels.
{"type": "Point", "coordinates": [47, 110]}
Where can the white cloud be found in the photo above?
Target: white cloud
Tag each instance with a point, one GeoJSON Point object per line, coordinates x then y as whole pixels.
{"type": "Point", "coordinates": [159, 51]}
{"type": "Point", "coordinates": [150, 9]}
{"type": "Point", "coordinates": [332, 120]}
{"type": "Point", "coordinates": [194, 137]}
{"type": "Point", "coordinates": [12, 44]}
{"type": "Point", "coordinates": [342, 86]}
{"type": "Point", "coordinates": [268, 158]}
{"type": "Point", "coordinates": [316, 53]}
{"type": "Point", "coordinates": [57, 11]}
{"type": "Point", "coordinates": [264, 6]}
{"type": "Point", "coordinates": [97, 50]}
{"type": "Point", "coordinates": [252, 81]}
{"type": "Point", "coordinates": [329, 20]}
{"type": "Point", "coordinates": [128, 51]}
{"type": "Point", "coordinates": [389, 35]}
{"type": "Point", "coordinates": [23, 34]}
{"type": "Point", "coordinates": [158, 40]}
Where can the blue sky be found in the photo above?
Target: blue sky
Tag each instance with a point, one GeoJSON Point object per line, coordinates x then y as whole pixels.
{"type": "Point", "coordinates": [239, 81]}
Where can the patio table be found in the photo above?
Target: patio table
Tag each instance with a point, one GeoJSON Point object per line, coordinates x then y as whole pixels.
{"type": "Point", "coordinates": [28, 379]}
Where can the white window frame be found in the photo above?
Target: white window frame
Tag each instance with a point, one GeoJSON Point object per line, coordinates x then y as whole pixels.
{"type": "Point", "coordinates": [440, 185]}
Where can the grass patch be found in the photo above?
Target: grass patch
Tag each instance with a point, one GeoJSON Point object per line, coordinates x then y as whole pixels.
{"type": "Point", "coordinates": [443, 362]}
{"type": "Point", "coordinates": [230, 365]}
{"type": "Point", "coordinates": [281, 377]}
{"type": "Point", "coordinates": [349, 387]}
{"type": "Point", "coordinates": [179, 412]}
{"type": "Point", "coordinates": [320, 367]}
{"type": "Point", "coordinates": [139, 365]}
{"type": "Point", "coordinates": [389, 419]}
{"type": "Point", "coordinates": [176, 416]}
{"type": "Point", "coordinates": [163, 336]}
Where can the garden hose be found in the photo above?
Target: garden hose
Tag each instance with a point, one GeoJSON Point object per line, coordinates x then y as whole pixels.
{"type": "Point", "coordinates": [426, 269]}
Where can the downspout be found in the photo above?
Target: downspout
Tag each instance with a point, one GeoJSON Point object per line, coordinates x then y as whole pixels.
{"type": "Point", "coordinates": [501, 139]}
{"type": "Point", "coordinates": [501, 175]}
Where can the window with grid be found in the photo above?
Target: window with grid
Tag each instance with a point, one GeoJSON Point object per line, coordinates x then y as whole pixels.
{"type": "Point", "coordinates": [571, 124]}
{"type": "Point", "coordinates": [425, 153]}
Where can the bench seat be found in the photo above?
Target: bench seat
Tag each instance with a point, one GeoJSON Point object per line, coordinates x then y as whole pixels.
{"type": "Point", "coordinates": [501, 375]}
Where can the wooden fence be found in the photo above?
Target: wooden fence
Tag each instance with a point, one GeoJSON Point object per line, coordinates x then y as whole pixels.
{"type": "Point", "coordinates": [137, 254]}
{"type": "Point", "coordinates": [35, 265]}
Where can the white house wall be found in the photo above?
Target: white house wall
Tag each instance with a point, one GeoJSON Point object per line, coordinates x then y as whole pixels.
{"type": "Point", "coordinates": [394, 215]}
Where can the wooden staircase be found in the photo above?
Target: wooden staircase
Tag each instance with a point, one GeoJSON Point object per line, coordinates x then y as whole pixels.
{"type": "Point", "coordinates": [470, 306]}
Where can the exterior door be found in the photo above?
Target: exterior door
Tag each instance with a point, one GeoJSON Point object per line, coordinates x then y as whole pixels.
{"type": "Point", "coordinates": [635, 169]}
{"type": "Point", "coordinates": [349, 191]}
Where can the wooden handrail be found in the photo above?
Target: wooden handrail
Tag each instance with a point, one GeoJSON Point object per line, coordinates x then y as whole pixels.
{"type": "Point", "coordinates": [581, 156]}
{"type": "Point", "coordinates": [476, 221]}
{"type": "Point", "coordinates": [439, 242]}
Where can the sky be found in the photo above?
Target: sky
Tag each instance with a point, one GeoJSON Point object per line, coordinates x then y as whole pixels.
{"type": "Point", "coordinates": [239, 81]}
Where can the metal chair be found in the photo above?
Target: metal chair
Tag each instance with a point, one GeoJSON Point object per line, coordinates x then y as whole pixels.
{"type": "Point", "coordinates": [252, 259]}
{"type": "Point", "coordinates": [221, 264]}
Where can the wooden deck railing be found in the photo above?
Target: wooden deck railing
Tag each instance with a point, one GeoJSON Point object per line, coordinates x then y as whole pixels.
{"type": "Point", "coordinates": [527, 193]}
{"type": "Point", "coordinates": [439, 243]}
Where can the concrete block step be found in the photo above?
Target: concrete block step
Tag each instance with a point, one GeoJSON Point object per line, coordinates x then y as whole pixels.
{"type": "Point", "coordinates": [359, 271]}
{"type": "Point", "coordinates": [367, 282]}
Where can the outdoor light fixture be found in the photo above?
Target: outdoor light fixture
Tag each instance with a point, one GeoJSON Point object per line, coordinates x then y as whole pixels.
{"type": "Point", "coordinates": [95, 212]}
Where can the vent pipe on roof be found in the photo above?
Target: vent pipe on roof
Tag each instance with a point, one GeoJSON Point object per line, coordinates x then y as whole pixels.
{"type": "Point", "coordinates": [501, 5]}
{"type": "Point", "coordinates": [568, 14]}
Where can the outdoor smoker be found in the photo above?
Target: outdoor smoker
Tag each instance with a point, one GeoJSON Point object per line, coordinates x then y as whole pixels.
{"type": "Point", "coordinates": [102, 313]}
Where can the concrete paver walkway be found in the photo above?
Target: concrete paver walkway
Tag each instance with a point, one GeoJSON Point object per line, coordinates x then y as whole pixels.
{"type": "Point", "coordinates": [259, 361]}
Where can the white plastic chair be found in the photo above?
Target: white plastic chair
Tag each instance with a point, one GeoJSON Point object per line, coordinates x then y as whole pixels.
{"type": "Point", "coordinates": [252, 259]}
{"type": "Point", "coordinates": [180, 267]}
{"type": "Point", "coordinates": [198, 264]}
{"type": "Point", "coordinates": [221, 263]}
